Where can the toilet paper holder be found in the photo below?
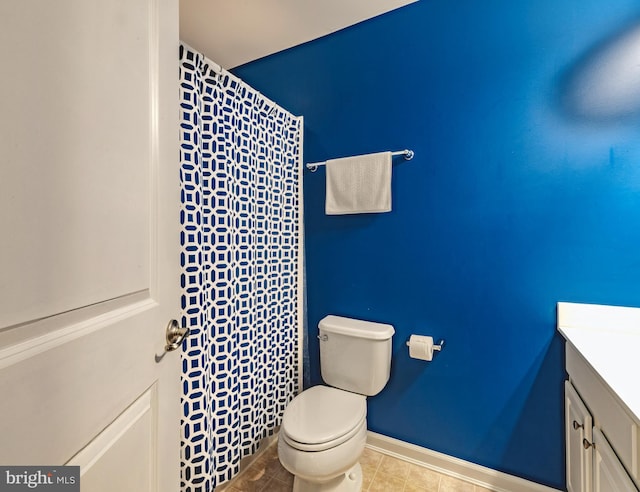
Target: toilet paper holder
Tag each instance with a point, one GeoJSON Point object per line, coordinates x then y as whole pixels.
{"type": "Point", "coordinates": [439, 346]}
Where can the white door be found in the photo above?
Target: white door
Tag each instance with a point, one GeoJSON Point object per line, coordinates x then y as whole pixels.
{"type": "Point", "coordinates": [89, 218]}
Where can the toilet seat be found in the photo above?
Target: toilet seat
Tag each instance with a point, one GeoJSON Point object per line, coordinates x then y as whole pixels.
{"type": "Point", "coordinates": [322, 417]}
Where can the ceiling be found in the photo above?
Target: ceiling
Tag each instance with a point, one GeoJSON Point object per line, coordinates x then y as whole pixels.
{"type": "Point", "coordinates": [233, 32]}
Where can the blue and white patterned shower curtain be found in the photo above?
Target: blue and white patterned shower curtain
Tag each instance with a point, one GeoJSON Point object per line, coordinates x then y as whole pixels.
{"type": "Point", "coordinates": [240, 171]}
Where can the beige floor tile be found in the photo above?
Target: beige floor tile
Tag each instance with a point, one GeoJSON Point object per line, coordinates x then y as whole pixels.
{"type": "Point", "coordinates": [386, 483]}
{"type": "Point", "coordinates": [271, 464]}
{"type": "Point", "coordinates": [271, 450]}
{"type": "Point", "coordinates": [368, 472]}
{"type": "Point", "coordinates": [284, 476]}
{"type": "Point", "coordinates": [275, 485]}
{"type": "Point", "coordinates": [261, 461]}
{"type": "Point", "coordinates": [450, 484]}
{"type": "Point", "coordinates": [253, 480]}
{"type": "Point", "coordinates": [371, 458]}
{"type": "Point", "coordinates": [394, 467]}
{"type": "Point", "coordinates": [421, 478]}
{"type": "Point", "coordinates": [410, 487]}
{"type": "Point", "coordinates": [380, 473]}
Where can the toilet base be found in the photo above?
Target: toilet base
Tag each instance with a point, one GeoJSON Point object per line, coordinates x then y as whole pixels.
{"type": "Point", "coordinates": [349, 481]}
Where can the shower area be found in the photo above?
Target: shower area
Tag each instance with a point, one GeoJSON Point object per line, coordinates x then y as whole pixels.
{"type": "Point", "coordinates": [241, 257]}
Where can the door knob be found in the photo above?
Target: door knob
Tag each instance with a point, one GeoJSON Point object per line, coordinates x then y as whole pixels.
{"type": "Point", "coordinates": [175, 335]}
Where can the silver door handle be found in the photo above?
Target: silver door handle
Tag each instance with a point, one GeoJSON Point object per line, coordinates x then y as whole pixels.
{"type": "Point", "coordinates": [175, 335]}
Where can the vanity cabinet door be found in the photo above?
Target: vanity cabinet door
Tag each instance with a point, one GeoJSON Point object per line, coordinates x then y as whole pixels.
{"type": "Point", "coordinates": [578, 430]}
{"type": "Point", "coordinates": [608, 473]}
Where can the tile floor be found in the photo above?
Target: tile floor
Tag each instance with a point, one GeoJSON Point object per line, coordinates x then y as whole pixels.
{"type": "Point", "coordinates": [381, 473]}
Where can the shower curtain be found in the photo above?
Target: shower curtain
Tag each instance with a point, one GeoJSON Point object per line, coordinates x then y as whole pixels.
{"type": "Point", "coordinates": [241, 235]}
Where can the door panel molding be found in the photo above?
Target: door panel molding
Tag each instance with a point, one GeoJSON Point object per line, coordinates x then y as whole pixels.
{"type": "Point", "coordinates": [53, 337]}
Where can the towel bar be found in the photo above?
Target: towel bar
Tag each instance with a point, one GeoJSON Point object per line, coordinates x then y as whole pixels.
{"type": "Point", "coordinates": [408, 155]}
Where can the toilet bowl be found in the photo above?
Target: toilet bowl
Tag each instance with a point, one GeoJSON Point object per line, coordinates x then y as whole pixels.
{"type": "Point", "coordinates": [324, 428]}
{"type": "Point", "coordinates": [321, 439]}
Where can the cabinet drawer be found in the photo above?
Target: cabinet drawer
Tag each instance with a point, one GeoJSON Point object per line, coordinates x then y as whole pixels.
{"type": "Point", "coordinates": [608, 413]}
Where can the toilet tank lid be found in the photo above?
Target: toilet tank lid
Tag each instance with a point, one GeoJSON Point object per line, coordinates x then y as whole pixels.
{"type": "Point", "coordinates": [356, 327]}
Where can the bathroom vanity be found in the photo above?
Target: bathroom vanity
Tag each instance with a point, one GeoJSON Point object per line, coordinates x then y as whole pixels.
{"type": "Point", "coordinates": [602, 397]}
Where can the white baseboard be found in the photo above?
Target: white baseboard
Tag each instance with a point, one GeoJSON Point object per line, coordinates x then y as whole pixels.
{"type": "Point", "coordinates": [448, 465]}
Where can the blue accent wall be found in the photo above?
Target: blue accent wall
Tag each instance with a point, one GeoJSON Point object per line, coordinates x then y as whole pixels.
{"type": "Point", "coordinates": [524, 191]}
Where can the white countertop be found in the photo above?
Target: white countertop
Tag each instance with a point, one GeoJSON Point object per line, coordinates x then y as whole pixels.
{"type": "Point", "coordinates": [608, 337]}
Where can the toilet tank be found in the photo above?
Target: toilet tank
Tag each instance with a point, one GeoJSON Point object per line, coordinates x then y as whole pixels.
{"type": "Point", "coordinates": [355, 355]}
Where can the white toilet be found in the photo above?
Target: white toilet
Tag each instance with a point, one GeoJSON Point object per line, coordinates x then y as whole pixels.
{"type": "Point", "coordinates": [324, 428]}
